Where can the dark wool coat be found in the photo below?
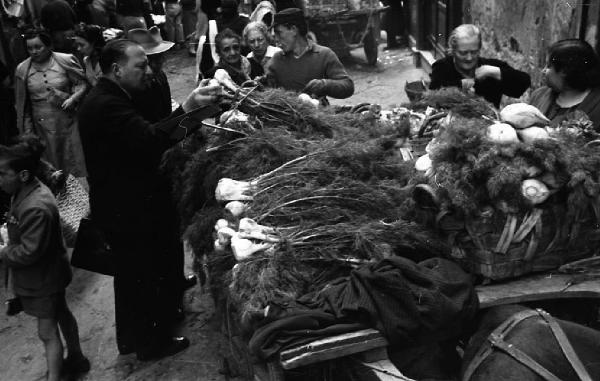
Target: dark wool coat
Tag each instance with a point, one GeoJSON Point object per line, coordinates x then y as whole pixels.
{"type": "Point", "coordinates": [513, 82]}
{"type": "Point", "coordinates": [123, 153]}
{"type": "Point", "coordinates": [36, 253]}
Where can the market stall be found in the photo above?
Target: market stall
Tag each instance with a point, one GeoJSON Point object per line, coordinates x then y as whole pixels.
{"type": "Point", "coordinates": [319, 217]}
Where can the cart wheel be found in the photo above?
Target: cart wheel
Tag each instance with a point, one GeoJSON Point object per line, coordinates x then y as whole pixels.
{"type": "Point", "coordinates": [371, 48]}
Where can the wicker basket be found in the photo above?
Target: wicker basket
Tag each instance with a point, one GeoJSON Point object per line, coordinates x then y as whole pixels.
{"type": "Point", "coordinates": [414, 90]}
{"type": "Point", "coordinates": [506, 246]}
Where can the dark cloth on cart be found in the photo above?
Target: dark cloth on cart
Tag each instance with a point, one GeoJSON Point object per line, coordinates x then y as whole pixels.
{"type": "Point", "coordinates": [318, 62]}
{"type": "Point", "coordinates": [545, 100]}
{"type": "Point", "coordinates": [123, 153]}
{"type": "Point", "coordinates": [513, 83]}
{"type": "Point", "coordinates": [410, 304]}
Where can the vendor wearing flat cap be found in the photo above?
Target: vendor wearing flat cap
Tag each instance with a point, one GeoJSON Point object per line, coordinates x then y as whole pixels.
{"type": "Point", "coordinates": [303, 65]}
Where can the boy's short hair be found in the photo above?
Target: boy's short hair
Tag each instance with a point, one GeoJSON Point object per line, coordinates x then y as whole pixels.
{"type": "Point", "coordinates": [25, 154]}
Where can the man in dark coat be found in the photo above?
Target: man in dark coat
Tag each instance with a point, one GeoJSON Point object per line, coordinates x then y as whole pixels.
{"type": "Point", "coordinates": [123, 152]}
{"type": "Point", "coordinates": [154, 104]}
{"type": "Point", "coordinates": [465, 69]}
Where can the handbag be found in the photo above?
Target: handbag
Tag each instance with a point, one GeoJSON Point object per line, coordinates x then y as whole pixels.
{"type": "Point", "coordinates": [92, 252]}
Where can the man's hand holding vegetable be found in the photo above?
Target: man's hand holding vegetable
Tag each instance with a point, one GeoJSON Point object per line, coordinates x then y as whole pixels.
{"type": "Point", "coordinates": [203, 95]}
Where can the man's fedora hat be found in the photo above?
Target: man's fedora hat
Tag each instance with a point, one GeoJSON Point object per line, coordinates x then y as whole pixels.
{"type": "Point", "coordinates": [150, 40]}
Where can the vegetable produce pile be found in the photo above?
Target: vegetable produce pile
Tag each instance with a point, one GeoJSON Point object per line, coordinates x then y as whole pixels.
{"type": "Point", "coordinates": [292, 208]}
{"type": "Point", "coordinates": [532, 187]}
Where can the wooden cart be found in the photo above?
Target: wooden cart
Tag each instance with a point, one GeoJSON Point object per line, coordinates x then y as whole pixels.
{"type": "Point", "coordinates": [366, 350]}
{"type": "Point", "coordinates": [342, 28]}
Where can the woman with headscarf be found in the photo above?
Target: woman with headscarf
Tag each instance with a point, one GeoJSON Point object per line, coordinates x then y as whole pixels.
{"type": "Point", "coordinates": [572, 78]}
{"type": "Point", "coordinates": [48, 88]}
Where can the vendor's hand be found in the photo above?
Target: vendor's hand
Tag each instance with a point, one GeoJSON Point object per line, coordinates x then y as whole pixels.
{"type": "Point", "coordinates": [468, 84]}
{"type": "Point", "coordinates": [487, 71]}
{"type": "Point", "coordinates": [203, 95]}
{"type": "Point", "coordinates": [68, 104]}
{"type": "Point", "coordinates": [315, 87]}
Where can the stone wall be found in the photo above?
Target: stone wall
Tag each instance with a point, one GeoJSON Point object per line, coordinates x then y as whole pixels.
{"type": "Point", "coordinates": [520, 32]}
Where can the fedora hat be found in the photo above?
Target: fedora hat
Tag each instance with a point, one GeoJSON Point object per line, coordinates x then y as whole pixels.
{"type": "Point", "coordinates": [150, 40]}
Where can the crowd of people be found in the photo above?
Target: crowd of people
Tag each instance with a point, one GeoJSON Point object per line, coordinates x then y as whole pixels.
{"type": "Point", "coordinates": [97, 110]}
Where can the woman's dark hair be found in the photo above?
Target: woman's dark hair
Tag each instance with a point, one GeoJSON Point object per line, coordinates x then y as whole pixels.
{"type": "Point", "coordinates": [92, 34]}
{"type": "Point", "coordinates": [25, 154]}
{"type": "Point", "coordinates": [225, 33]}
{"type": "Point", "coordinates": [30, 34]}
{"type": "Point", "coordinates": [578, 61]}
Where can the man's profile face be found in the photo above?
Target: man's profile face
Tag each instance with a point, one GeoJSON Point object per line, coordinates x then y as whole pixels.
{"type": "Point", "coordinates": [285, 37]}
{"type": "Point", "coordinates": [131, 71]}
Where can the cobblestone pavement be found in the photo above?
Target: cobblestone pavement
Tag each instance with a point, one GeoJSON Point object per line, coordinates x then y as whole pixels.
{"type": "Point", "coordinates": [91, 295]}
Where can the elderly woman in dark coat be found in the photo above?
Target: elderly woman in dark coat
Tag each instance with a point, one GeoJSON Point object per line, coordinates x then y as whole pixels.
{"type": "Point", "coordinates": [464, 68]}
{"type": "Point", "coordinates": [572, 78]}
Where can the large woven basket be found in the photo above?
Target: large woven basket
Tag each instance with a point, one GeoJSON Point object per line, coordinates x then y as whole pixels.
{"type": "Point", "coordinates": [73, 204]}
{"type": "Point", "coordinates": [509, 245]}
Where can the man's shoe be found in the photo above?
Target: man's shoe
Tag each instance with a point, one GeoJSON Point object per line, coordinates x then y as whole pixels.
{"type": "Point", "coordinates": [189, 281]}
{"type": "Point", "coordinates": [76, 364]}
{"type": "Point", "coordinates": [392, 47]}
{"type": "Point", "coordinates": [173, 346]}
